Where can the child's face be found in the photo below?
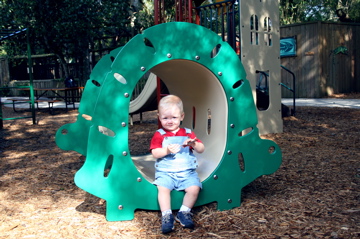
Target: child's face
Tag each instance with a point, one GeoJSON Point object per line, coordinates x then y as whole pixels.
{"type": "Point", "coordinates": [170, 117]}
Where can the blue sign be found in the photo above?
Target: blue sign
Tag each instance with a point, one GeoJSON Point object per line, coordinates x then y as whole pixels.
{"type": "Point", "coordinates": [288, 46]}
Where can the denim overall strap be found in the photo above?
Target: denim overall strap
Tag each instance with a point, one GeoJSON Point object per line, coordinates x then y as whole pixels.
{"type": "Point", "coordinates": [161, 131]}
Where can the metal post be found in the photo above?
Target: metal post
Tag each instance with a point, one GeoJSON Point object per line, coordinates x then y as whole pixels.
{"type": "Point", "coordinates": [32, 102]}
{"type": "Point", "coordinates": [1, 115]}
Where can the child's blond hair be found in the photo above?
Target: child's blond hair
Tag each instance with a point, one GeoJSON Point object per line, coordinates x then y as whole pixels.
{"type": "Point", "coordinates": [171, 100]}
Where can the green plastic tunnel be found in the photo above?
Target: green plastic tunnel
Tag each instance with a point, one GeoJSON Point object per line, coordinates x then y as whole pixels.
{"type": "Point", "coordinates": [206, 73]}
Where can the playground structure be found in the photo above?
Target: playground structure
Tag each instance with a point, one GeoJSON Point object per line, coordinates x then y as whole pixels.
{"type": "Point", "coordinates": [198, 66]}
{"type": "Point", "coordinates": [260, 54]}
{"type": "Point", "coordinates": [7, 34]}
{"type": "Point", "coordinates": [252, 29]}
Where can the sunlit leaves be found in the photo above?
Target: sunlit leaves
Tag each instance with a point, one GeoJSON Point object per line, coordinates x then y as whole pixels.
{"type": "Point", "coordinates": [66, 28]}
{"type": "Point", "coordinates": [297, 11]}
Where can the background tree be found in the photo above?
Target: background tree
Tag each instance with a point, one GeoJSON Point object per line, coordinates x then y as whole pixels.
{"type": "Point", "coordinates": [298, 11]}
{"type": "Point", "coordinates": [144, 15]}
{"type": "Point", "coordinates": [347, 10]}
{"type": "Point", "coordinates": [68, 28]}
{"type": "Point", "coordinates": [80, 31]}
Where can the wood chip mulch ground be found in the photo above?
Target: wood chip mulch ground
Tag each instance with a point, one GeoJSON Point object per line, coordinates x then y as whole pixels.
{"type": "Point", "coordinates": [314, 194]}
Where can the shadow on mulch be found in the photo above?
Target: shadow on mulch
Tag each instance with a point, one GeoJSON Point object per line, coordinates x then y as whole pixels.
{"type": "Point", "coordinates": [314, 194]}
{"type": "Point", "coordinates": [92, 204]}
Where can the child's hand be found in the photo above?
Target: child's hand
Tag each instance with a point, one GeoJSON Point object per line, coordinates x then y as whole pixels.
{"type": "Point", "coordinates": [173, 148]}
{"type": "Point", "coordinates": [190, 142]}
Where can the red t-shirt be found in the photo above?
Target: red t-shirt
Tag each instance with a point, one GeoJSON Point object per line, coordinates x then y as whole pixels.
{"type": "Point", "coordinates": [157, 139]}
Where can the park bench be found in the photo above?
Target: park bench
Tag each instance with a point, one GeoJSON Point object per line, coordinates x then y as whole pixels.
{"type": "Point", "coordinates": [49, 101]}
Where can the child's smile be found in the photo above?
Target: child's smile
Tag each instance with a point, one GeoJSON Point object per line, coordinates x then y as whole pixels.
{"type": "Point", "coordinates": [171, 118]}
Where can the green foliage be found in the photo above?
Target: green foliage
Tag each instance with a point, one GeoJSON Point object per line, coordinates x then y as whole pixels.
{"type": "Point", "coordinates": [145, 16]}
{"type": "Point", "coordinates": [4, 91]}
{"type": "Point", "coordinates": [2, 51]}
{"type": "Point", "coordinates": [354, 11]}
{"type": "Point", "coordinates": [68, 28]}
{"type": "Point", "coordinates": [297, 11]}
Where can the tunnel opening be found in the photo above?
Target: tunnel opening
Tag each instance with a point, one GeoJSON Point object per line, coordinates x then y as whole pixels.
{"type": "Point", "coordinates": [201, 93]}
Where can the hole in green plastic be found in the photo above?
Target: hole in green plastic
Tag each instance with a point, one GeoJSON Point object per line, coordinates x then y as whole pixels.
{"type": "Point", "coordinates": [241, 162]}
{"type": "Point", "coordinates": [215, 51]}
{"type": "Point", "coordinates": [120, 78]}
{"type": "Point", "coordinates": [106, 131]}
{"type": "Point", "coordinates": [238, 84]}
{"type": "Point", "coordinates": [272, 150]}
{"type": "Point", "coordinates": [246, 131]}
{"type": "Point", "coordinates": [148, 43]}
{"type": "Point", "coordinates": [87, 117]}
{"type": "Point", "coordinates": [96, 83]}
{"type": "Point", "coordinates": [108, 165]}
{"type": "Point", "coordinates": [112, 58]}
{"type": "Point", "coordinates": [64, 131]}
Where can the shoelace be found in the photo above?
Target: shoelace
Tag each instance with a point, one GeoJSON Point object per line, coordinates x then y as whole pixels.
{"type": "Point", "coordinates": [187, 215]}
{"type": "Point", "coordinates": [166, 218]}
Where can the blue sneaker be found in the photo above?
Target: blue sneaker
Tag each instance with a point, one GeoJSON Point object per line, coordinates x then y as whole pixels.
{"type": "Point", "coordinates": [185, 219]}
{"type": "Point", "coordinates": [167, 223]}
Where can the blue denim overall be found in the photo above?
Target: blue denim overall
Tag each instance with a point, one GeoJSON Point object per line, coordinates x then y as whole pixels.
{"type": "Point", "coordinates": [179, 162]}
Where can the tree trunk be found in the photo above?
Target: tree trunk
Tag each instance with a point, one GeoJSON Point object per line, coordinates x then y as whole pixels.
{"type": "Point", "coordinates": [64, 66]}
